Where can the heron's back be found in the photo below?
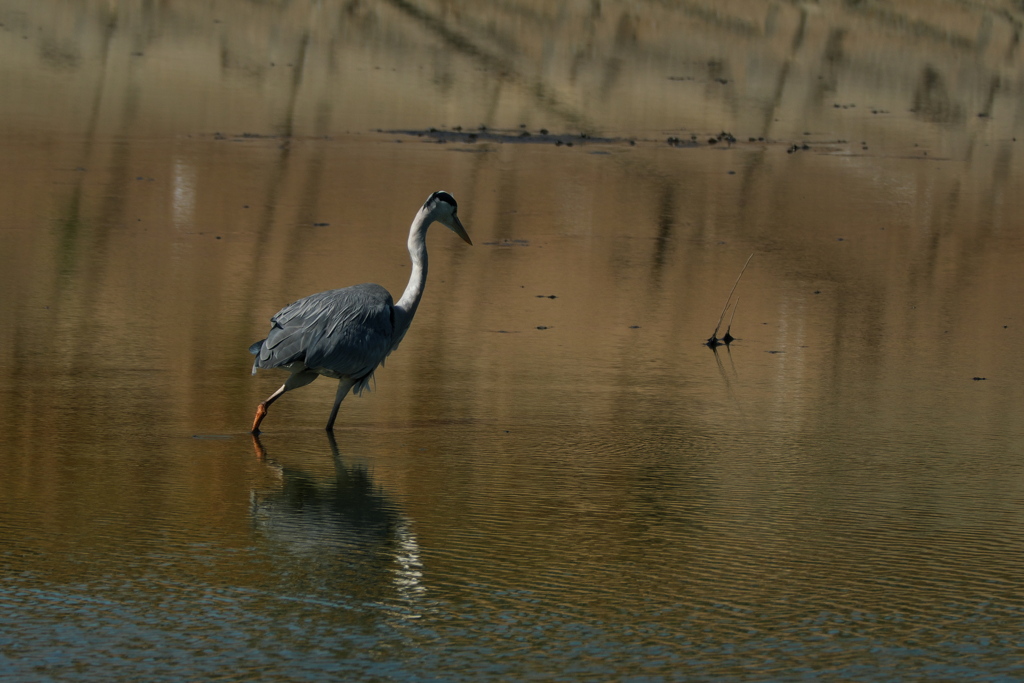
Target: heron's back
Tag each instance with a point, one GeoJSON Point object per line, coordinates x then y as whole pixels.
{"type": "Point", "coordinates": [339, 333]}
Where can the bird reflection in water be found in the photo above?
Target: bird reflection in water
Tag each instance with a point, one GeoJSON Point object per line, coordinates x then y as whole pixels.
{"type": "Point", "coordinates": [351, 536]}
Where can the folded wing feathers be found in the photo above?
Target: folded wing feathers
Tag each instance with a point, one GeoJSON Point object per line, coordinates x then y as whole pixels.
{"type": "Point", "coordinates": [348, 331]}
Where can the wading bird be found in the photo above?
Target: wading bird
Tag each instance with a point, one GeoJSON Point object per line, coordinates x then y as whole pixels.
{"type": "Point", "coordinates": [346, 333]}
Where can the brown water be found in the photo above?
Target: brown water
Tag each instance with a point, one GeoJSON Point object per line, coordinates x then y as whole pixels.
{"type": "Point", "coordinates": [553, 479]}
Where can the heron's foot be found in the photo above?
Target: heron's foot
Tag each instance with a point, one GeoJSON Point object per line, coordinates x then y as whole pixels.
{"type": "Point", "coordinates": [261, 412]}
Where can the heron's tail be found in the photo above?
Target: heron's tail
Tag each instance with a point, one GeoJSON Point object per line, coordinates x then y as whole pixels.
{"type": "Point", "coordinates": [255, 350]}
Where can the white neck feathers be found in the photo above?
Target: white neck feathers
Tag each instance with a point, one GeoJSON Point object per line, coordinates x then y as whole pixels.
{"type": "Point", "coordinates": [405, 309]}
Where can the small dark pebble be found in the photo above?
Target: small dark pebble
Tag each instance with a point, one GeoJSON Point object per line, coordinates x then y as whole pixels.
{"type": "Point", "coordinates": [634, 327]}
{"type": "Point", "coordinates": [775, 351]}
{"type": "Point", "coordinates": [542, 327]}
{"type": "Point", "coordinates": [320, 225]}
{"type": "Point", "coordinates": [979, 379]}
{"type": "Point", "coordinates": [712, 141]}
{"type": "Point", "coordinates": [731, 172]}
{"type": "Point", "coordinates": [218, 236]}
{"type": "Point", "coordinates": [817, 291]}
{"type": "Point", "coordinates": [543, 131]}
{"type": "Point", "coordinates": [840, 239]}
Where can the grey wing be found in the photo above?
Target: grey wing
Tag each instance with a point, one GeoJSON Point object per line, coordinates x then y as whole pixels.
{"type": "Point", "coordinates": [344, 331]}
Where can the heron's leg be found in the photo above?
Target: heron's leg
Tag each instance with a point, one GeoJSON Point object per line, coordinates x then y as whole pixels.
{"type": "Point", "coordinates": [294, 381]}
{"type": "Point", "coordinates": [344, 386]}
{"type": "Point", "coordinates": [261, 409]}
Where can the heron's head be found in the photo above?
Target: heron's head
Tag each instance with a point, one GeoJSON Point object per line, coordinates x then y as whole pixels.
{"type": "Point", "coordinates": [442, 208]}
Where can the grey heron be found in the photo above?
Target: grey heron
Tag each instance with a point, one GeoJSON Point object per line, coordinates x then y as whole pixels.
{"type": "Point", "coordinates": [346, 333]}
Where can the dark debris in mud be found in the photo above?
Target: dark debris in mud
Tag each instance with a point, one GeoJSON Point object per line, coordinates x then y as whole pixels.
{"type": "Point", "coordinates": [467, 138]}
{"type": "Point", "coordinates": [236, 137]}
{"type": "Point", "coordinates": [459, 134]}
{"type": "Point", "coordinates": [543, 136]}
{"type": "Point", "coordinates": [507, 242]}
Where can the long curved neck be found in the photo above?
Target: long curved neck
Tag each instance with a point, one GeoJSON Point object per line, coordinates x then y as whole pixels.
{"type": "Point", "coordinates": [405, 309]}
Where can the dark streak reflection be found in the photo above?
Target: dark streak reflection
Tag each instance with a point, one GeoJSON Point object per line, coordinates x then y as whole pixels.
{"type": "Point", "coordinates": [69, 225]}
{"type": "Point", "coordinates": [666, 223]}
{"type": "Point", "coordinates": [932, 101]}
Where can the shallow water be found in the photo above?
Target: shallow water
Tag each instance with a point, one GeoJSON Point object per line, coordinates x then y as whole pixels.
{"type": "Point", "coordinates": [553, 479]}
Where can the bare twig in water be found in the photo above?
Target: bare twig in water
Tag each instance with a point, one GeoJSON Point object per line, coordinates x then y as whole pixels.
{"type": "Point", "coordinates": [713, 340]}
{"type": "Point", "coordinates": [727, 337]}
